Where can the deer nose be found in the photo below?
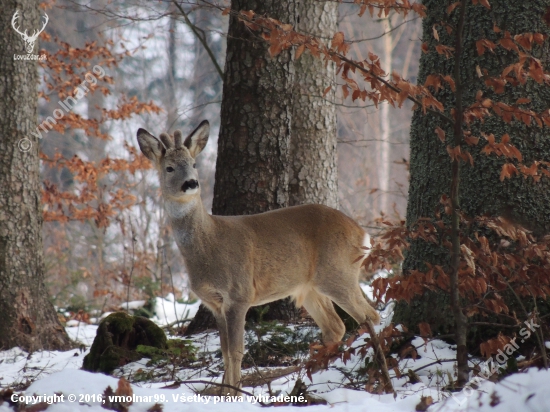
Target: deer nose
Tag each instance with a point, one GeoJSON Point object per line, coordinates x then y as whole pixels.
{"type": "Point", "coordinates": [190, 184]}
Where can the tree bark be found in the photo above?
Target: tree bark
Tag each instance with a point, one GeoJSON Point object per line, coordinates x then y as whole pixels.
{"type": "Point", "coordinates": [253, 147]}
{"type": "Point", "coordinates": [28, 318]}
{"type": "Point", "coordinates": [481, 191]}
{"type": "Point", "coordinates": [313, 146]}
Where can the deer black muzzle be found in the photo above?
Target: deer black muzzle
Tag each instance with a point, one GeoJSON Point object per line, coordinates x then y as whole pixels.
{"type": "Point", "coordinates": [190, 184]}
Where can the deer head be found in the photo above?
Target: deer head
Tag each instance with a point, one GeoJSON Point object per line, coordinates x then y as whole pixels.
{"type": "Point", "coordinates": [29, 40]}
{"type": "Point", "coordinates": [174, 159]}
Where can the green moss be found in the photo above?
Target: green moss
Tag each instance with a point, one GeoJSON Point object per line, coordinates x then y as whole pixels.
{"type": "Point", "coordinates": [274, 344]}
{"type": "Point", "coordinates": [118, 336]}
{"type": "Point", "coordinates": [177, 351]}
{"type": "Point", "coordinates": [114, 357]}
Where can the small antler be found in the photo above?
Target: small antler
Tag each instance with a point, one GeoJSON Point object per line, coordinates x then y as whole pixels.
{"type": "Point", "coordinates": [167, 140]}
{"type": "Point", "coordinates": [178, 138]}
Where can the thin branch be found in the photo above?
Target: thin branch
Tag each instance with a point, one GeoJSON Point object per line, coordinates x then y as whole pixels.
{"type": "Point", "coordinates": [176, 322]}
{"type": "Point", "coordinates": [386, 32]}
{"type": "Point", "coordinates": [202, 38]}
{"type": "Point", "coordinates": [385, 379]}
{"type": "Point", "coordinates": [391, 86]}
{"type": "Point", "coordinates": [498, 325]}
{"type": "Point", "coordinates": [461, 321]}
{"type": "Point", "coordinates": [133, 239]}
{"type": "Point", "coordinates": [439, 361]}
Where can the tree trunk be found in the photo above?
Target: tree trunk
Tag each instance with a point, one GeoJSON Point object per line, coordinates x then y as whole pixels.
{"type": "Point", "coordinates": [313, 154]}
{"type": "Point", "coordinates": [253, 146]}
{"type": "Point", "coordinates": [481, 191]}
{"type": "Point", "coordinates": [28, 318]}
{"type": "Point", "coordinates": [171, 75]}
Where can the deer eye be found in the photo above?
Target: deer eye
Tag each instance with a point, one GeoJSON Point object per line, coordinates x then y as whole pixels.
{"type": "Point", "coordinates": [194, 165]}
{"type": "Point", "coordinates": [169, 169]}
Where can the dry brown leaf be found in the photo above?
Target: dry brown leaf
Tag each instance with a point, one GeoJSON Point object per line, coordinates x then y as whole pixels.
{"type": "Point", "coordinates": [436, 34]}
{"type": "Point", "coordinates": [299, 51]}
{"type": "Point", "coordinates": [440, 133]}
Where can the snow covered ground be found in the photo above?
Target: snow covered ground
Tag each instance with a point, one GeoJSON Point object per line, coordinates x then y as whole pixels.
{"type": "Point", "coordinates": [50, 373]}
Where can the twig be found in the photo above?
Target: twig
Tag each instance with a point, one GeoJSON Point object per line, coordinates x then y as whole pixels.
{"type": "Point", "coordinates": [538, 333]}
{"type": "Point", "coordinates": [168, 326]}
{"type": "Point", "coordinates": [439, 361]}
{"type": "Point", "coordinates": [461, 321]}
{"type": "Point", "coordinates": [132, 268]}
{"type": "Point", "coordinates": [498, 325]}
{"type": "Point", "coordinates": [172, 285]}
{"type": "Point", "coordinates": [539, 340]}
{"type": "Point", "coordinates": [386, 32]}
{"type": "Point", "coordinates": [385, 379]}
{"type": "Point", "coordinates": [202, 39]}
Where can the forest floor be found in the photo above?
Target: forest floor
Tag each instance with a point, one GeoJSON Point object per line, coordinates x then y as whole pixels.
{"type": "Point", "coordinates": [164, 384]}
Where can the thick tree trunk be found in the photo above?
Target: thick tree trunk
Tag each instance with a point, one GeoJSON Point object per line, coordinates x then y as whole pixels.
{"type": "Point", "coordinates": [253, 146]}
{"type": "Point", "coordinates": [28, 318]}
{"type": "Point", "coordinates": [313, 154]}
{"type": "Point", "coordinates": [481, 191]}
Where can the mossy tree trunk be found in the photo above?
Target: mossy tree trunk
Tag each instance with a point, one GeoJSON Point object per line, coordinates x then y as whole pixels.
{"type": "Point", "coordinates": [481, 191]}
{"type": "Point", "coordinates": [28, 317]}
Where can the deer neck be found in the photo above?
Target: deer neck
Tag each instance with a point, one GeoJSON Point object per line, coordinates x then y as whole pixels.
{"type": "Point", "coordinates": [189, 222]}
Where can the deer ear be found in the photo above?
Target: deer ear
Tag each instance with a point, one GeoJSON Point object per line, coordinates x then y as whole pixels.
{"type": "Point", "coordinates": [150, 146]}
{"type": "Point", "coordinates": [198, 138]}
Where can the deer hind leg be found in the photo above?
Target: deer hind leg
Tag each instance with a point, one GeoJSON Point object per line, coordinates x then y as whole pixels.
{"type": "Point", "coordinates": [350, 297]}
{"type": "Point", "coordinates": [322, 311]}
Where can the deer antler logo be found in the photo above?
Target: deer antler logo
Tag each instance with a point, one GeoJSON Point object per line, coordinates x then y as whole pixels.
{"type": "Point", "coordinates": [29, 40]}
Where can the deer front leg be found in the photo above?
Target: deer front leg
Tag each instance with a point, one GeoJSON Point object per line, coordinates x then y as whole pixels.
{"type": "Point", "coordinates": [222, 327]}
{"type": "Point", "coordinates": [235, 320]}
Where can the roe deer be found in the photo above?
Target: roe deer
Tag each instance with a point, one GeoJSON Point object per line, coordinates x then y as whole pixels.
{"type": "Point", "coordinates": [308, 252]}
